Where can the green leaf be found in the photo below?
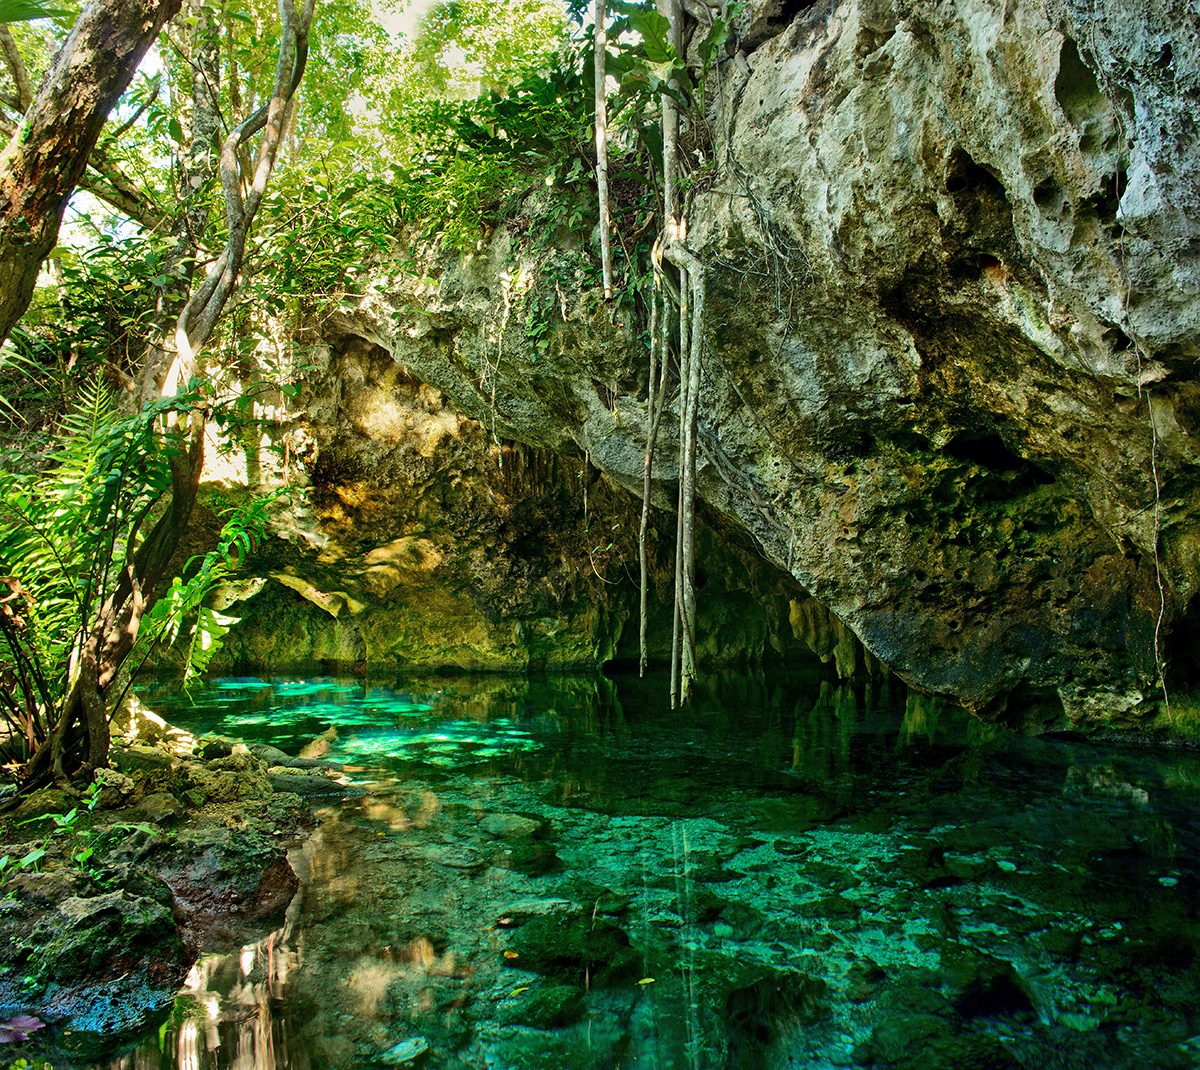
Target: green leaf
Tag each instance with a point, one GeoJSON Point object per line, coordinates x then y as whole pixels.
{"type": "Point", "coordinates": [27, 10]}
{"type": "Point", "coordinates": [718, 34]}
{"type": "Point", "coordinates": [32, 858]}
{"type": "Point", "coordinates": [655, 31]}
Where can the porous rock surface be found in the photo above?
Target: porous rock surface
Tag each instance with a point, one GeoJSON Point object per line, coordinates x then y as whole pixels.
{"type": "Point", "coordinates": [952, 255]}
{"type": "Point", "coordinates": [428, 544]}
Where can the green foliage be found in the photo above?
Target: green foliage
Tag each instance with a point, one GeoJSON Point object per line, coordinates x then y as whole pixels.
{"type": "Point", "coordinates": [471, 162]}
{"type": "Point", "coordinates": [69, 534]}
{"type": "Point", "coordinates": [464, 48]}
{"type": "Point", "coordinates": [9, 867]}
{"type": "Point", "coordinates": [182, 607]}
{"type": "Point", "coordinates": [66, 534]}
{"type": "Point", "coordinates": [82, 844]}
{"type": "Point", "coordinates": [324, 225]}
{"type": "Point", "coordinates": [489, 116]}
{"type": "Point", "coordinates": [27, 10]}
{"type": "Point", "coordinates": [99, 314]}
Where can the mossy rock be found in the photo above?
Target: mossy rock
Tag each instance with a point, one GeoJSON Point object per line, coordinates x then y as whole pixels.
{"type": "Point", "coordinates": [239, 776]}
{"type": "Point", "coordinates": [102, 935]}
{"type": "Point", "coordinates": [44, 802]}
{"type": "Point", "coordinates": [544, 1007]}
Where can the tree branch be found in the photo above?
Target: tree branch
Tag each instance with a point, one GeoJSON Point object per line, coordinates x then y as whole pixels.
{"type": "Point", "coordinates": [113, 136]}
{"type": "Point", "coordinates": [600, 56]}
{"type": "Point", "coordinates": [106, 180]}
{"type": "Point", "coordinates": [16, 68]}
{"type": "Point", "coordinates": [200, 314]}
{"type": "Point", "coordinates": [48, 155]}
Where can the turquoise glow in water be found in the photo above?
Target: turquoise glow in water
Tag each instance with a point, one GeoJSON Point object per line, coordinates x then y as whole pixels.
{"type": "Point", "coordinates": [565, 874]}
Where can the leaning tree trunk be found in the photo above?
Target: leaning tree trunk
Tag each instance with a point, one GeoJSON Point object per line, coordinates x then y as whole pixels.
{"type": "Point", "coordinates": [48, 154]}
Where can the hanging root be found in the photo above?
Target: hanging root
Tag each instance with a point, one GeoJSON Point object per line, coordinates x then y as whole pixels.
{"type": "Point", "coordinates": [677, 657]}
{"type": "Point", "coordinates": [1159, 661]}
{"type": "Point", "coordinates": [671, 247]}
{"type": "Point", "coordinates": [656, 394]}
{"type": "Point", "coordinates": [1160, 577]}
{"type": "Point", "coordinates": [691, 343]}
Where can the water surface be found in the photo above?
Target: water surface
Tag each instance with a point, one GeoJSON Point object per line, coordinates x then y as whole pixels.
{"type": "Point", "coordinates": [564, 873]}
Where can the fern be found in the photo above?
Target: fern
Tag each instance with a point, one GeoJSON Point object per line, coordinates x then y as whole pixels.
{"type": "Point", "coordinates": [27, 11]}
{"type": "Point", "coordinates": [208, 634]}
{"type": "Point", "coordinates": [185, 600]}
{"type": "Point", "coordinates": [68, 533]}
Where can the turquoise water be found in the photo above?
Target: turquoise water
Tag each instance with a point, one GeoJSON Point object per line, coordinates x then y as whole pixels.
{"type": "Point", "coordinates": [791, 874]}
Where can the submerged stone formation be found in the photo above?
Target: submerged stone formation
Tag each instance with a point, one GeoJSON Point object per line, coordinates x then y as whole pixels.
{"type": "Point", "coordinates": [948, 388]}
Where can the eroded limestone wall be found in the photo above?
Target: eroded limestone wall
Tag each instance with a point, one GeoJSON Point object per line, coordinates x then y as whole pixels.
{"type": "Point", "coordinates": [949, 383]}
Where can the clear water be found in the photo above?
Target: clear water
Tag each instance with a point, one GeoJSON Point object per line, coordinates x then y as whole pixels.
{"type": "Point", "coordinates": [564, 874]}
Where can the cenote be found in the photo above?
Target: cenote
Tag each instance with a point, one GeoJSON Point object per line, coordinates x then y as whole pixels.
{"type": "Point", "coordinates": [564, 873]}
{"type": "Point", "coordinates": [482, 349]}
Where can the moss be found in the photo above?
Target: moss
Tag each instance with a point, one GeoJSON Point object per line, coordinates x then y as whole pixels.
{"type": "Point", "coordinates": [104, 935]}
{"type": "Point", "coordinates": [239, 776]}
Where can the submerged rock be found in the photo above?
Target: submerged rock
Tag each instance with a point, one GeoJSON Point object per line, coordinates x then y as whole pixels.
{"type": "Point", "coordinates": [574, 947]}
{"type": "Point", "coordinates": [404, 1052]}
{"type": "Point", "coordinates": [511, 826]}
{"type": "Point", "coordinates": [544, 1006]}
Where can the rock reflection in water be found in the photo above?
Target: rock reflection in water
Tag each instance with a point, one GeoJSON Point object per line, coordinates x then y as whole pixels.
{"type": "Point", "coordinates": [228, 1014]}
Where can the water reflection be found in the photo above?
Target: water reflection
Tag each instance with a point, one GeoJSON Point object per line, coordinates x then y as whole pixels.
{"type": "Point", "coordinates": [823, 732]}
{"type": "Point", "coordinates": [792, 873]}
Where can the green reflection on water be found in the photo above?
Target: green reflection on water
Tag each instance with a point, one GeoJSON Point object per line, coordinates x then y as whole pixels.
{"type": "Point", "coordinates": [791, 873]}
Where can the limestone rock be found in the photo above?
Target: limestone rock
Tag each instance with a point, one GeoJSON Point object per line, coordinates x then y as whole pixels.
{"type": "Point", "coordinates": [159, 807]}
{"type": "Point", "coordinates": [953, 265]}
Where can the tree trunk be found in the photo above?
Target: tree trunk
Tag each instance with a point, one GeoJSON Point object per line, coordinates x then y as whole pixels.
{"type": "Point", "coordinates": [48, 154]}
{"type": "Point", "coordinates": [602, 146]}
{"type": "Point", "coordinates": [195, 168]}
{"type": "Point", "coordinates": [670, 125]}
{"type": "Point", "coordinates": [16, 68]}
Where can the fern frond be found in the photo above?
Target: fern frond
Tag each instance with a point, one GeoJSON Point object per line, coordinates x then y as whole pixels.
{"type": "Point", "coordinates": [207, 639]}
